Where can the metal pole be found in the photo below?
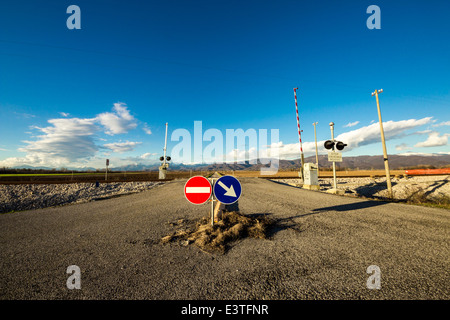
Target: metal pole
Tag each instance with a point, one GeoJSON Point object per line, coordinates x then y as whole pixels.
{"type": "Point", "coordinates": [212, 211]}
{"type": "Point", "coordinates": [165, 146]}
{"type": "Point", "coordinates": [383, 142]}
{"type": "Point", "coordinates": [299, 134]}
{"type": "Point", "coordinates": [164, 165]}
{"type": "Point", "coordinates": [212, 203]}
{"type": "Point", "coordinates": [334, 162]}
{"type": "Point", "coordinates": [315, 139]}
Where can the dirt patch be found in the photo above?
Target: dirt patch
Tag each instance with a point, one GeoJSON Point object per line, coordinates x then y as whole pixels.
{"type": "Point", "coordinates": [234, 226]}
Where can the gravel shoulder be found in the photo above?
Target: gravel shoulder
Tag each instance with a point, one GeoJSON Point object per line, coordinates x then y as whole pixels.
{"type": "Point", "coordinates": [35, 196]}
{"type": "Point", "coordinates": [402, 187]}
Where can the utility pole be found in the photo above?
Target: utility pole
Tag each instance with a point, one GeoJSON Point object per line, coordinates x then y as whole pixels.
{"type": "Point", "coordinates": [299, 135]}
{"type": "Point", "coordinates": [315, 139]}
{"type": "Point", "coordinates": [383, 142]}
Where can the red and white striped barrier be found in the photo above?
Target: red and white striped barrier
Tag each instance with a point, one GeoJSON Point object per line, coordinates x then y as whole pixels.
{"type": "Point", "coordinates": [298, 121]}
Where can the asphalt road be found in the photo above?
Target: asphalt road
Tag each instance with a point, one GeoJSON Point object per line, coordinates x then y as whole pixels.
{"type": "Point", "coordinates": [320, 249]}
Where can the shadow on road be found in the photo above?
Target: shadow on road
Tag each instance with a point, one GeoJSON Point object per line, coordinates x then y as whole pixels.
{"type": "Point", "coordinates": [279, 224]}
{"type": "Point", "coordinates": [289, 223]}
{"type": "Point", "coordinates": [232, 207]}
{"type": "Point", "coordinates": [350, 206]}
{"type": "Point", "coordinates": [286, 184]}
{"type": "Point", "coordinates": [371, 189]}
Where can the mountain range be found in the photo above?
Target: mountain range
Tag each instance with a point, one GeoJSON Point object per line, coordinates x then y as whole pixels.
{"type": "Point", "coordinates": [356, 163]}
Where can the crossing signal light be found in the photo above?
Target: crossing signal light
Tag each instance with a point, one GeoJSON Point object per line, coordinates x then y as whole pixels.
{"type": "Point", "coordinates": [340, 145]}
{"type": "Point", "coordinates": [167, 158]}
{"type": "Point", "coordinates": [328, 144]}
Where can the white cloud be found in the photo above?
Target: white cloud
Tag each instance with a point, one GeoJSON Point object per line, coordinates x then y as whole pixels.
{"type": "Point", "coordinates": [434, 140]}
{"type": "Point", "coordinates": [292, 150]}
{"type": "Point", "coordinates": [147, 155]}
{"type": "Point", "coordinates": [65, 141]}
{"type": "Point", "coordinates": [446, 123]}
{"type": "Point", "coordinates": [24, 115]}
{"type": "Point", "coordinates": [371, 133]}
{"type": "Point", "coordinates": [64, 114]}
{"type": "Point", "coordinates": [122, 147]}
{"type": "Point", "coordinates": [354, 139]}
{"type": "Point", "coordinates": [402, 147]}
{"type": "Point", "coordinates": [239, 155]}
{"type": "Point", "coordinates": [72, 141]}
{"type": "Point", "coordinates": [351, 124]}
{"type": "Point", "coordinates": [118, 122]}
{"type": "Point", "coordinates": [147, 129]}
{"type": "Point", "coordinates": [422, 154]}
{"type": "Point", "coordinates": [423, 132]}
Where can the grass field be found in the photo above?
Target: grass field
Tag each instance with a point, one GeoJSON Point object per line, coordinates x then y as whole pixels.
{"type": "Point", "coordinates": [47, 174]}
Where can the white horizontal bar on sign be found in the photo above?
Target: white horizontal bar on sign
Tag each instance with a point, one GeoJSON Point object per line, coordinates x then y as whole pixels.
{"type": "Point", "coordinates": [198, 189]}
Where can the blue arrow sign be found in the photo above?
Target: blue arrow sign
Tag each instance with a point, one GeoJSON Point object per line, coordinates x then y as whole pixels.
{"type": "Point", "coordinates": [227, 189]}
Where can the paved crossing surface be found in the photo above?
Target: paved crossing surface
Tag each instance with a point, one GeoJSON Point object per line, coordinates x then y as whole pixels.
{"type": "Point", "coordinates": [320, 248]}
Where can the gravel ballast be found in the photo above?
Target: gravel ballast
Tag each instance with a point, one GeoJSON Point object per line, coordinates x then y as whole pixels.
{"type": "Point", "coordinates": [403, 188]}
{"type": "Point", "coordinates": [35, 196]}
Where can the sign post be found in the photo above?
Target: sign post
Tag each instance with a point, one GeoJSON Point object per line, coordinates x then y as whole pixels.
{"type": "Point", "coordinates": [212, 210]}
{"type": "Point", "coordinates": [106, 172]}
{"type": "Point", "coordinates": [334, 157]}
{"type": "Point", "coordinates": [334, 163]}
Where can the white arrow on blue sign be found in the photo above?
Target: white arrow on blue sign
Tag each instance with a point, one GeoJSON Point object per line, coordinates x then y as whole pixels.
{"type": "Point", "coordinates": [227, 189]}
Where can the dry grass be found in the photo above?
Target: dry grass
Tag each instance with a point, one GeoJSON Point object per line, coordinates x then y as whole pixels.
{"type": "Point", "coordinates": [422, 198]}
{"type": "Point", "coordinates": [217, 239]}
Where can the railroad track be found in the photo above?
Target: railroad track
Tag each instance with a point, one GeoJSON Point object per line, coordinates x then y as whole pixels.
{"type": "Point", "coordinates": [114, 179]}
{"type": "Point", "coordinates": [56, 181]}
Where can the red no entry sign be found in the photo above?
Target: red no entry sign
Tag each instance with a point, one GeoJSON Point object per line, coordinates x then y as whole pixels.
{"type": "Point", "coordinates": [197, 190]}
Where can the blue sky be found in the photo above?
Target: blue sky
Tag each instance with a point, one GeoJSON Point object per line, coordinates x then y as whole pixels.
{"type": "Point", "coordinates": [71, 98]}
